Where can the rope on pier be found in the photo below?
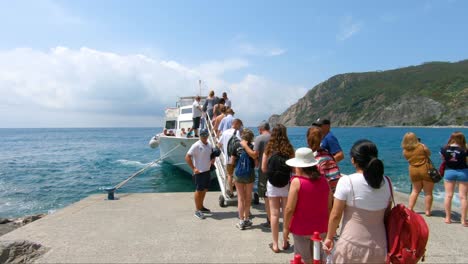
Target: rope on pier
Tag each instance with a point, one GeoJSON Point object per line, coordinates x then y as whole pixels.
{"type": "Point", "coordinates": [118, 186]}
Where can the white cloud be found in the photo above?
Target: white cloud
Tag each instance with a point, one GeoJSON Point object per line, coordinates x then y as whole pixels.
{"type": "Point", "coordinates": [246, 48]}
{"type": "Point", "coordinates": [256, 98]}
{"type": "Point", "coordinates": [349, 27]}
{"type": "Point", "coordinates": [87, 87]}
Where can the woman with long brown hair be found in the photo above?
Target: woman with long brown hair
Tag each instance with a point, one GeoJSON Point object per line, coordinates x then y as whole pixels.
{"type": "Point", "coordinates": [417, 155]}
{"type": "Point", "coordinates": [278, 145]}
{"type": "Point", "coordinates": [456, 171]}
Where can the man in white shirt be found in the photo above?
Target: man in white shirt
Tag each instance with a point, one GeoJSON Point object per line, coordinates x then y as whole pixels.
{"type": "Point", "coordinates": [196, 114]}
{"type": "Point", "coordinates": [199, 159]}
{"type": "Point", "coordinates": [223, 144]}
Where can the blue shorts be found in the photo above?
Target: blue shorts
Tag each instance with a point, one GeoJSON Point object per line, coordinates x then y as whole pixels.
{"type": "Point", "coordinates": [202, 180]}
{"type": "Point", "coordinates": [460, 175]}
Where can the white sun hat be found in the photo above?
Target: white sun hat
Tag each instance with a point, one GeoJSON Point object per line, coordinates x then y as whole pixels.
{"type": "Point", "coordinates": [304, 158]}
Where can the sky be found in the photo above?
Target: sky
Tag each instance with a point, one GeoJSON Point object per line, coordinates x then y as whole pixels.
{"type": "Point", "coordinates": [87, 63]}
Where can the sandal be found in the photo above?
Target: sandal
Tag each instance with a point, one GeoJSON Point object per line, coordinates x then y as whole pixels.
{"type": "Point", "coordinates": [272, 249]}
{"type": "Point", "coordinates": [286, 246]}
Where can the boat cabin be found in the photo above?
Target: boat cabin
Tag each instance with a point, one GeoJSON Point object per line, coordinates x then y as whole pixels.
{"type": "Point", "coordinates": [180, 116]}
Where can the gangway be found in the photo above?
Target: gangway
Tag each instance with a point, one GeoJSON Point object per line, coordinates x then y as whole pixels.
{"type": "Point", "coordinates": [221, 173]}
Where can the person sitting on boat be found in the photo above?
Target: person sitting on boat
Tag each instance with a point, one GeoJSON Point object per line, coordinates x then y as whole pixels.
{"type": "Point", "coordinates": [199, 158]}
{"type": "Point", "coordinates": [171, 133]}
{"type": "Point", "coordinates": [223, 144]}
{"type": "Point", "coordinates": [190, 132]}
{"type": "Point", "coordinates": [166, 132]}
{"type": "Point", "coordinates": [182, 132]}
{"type": "Point", "coordinates": [226, 122]}
{"type": "Point", "coordinates": [196, 114]}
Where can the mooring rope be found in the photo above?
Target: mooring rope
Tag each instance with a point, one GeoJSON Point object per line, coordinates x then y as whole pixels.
{"type": "Point", "coordinates": [147, 166]}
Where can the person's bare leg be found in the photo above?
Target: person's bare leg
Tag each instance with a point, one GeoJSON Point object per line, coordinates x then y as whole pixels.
{"type": "Point", "coordinates": [463, 190]}
{"type": "Point", "coordinates": [449, 188]}
{"type": "Point", "coordinates": [417, 187]}
{"type": "Point", "coordinates": [428, 187]}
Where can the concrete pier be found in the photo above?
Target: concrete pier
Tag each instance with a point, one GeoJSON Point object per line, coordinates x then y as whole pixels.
{"type": "Point", "coordinates": [161, 228]}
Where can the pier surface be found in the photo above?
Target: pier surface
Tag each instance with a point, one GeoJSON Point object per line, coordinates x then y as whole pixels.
{"type": "Point", "coordinates": [161, 228]}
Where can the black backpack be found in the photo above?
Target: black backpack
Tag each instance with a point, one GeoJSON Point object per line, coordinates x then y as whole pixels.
{"type": "Point", "coordinates": [233, 144]}
{"type": "Point", "coordinates": [279, 172]}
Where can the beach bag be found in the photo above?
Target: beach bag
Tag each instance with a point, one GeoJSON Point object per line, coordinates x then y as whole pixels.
{"type": "Point", "coordinates": [407, 234]}
{"type": "Point", "coordinates": [279, 172]}
{"type": "Point", "coordinates": [243, 167]}
{"type": "Point", "coordinates": [432, 171]}
{"type": "Point", "coordinates": [233, 144]}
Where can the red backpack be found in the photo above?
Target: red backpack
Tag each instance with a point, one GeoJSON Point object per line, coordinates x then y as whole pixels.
{"type": "Point", "coordinates": [407, 234]}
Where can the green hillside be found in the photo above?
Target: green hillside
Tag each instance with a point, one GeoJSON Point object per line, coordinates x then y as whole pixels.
{"type": "Point", "coordinates": [434, 93]}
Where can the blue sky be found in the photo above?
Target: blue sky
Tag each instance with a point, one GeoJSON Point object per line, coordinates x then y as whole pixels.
{"type": "Point", "coordinates": [120, 63]}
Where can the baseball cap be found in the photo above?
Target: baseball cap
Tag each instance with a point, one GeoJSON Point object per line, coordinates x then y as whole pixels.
{"type": "Point", "coordinates": [204, 133]}
{"type": "Point", "coordinates": [321, 121]}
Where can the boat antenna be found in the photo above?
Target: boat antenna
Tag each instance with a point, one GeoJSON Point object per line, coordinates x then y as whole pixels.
{"type": "Point", "coordinates": [199, 85]}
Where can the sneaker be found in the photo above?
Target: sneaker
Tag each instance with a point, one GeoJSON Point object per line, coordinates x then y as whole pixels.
{"type": "Point", "coordinates": [248, 223]}
{"type": "Point", "coordinates": [205, 210]}
{"type": "Point", "coordinates": [199, 215]}
{"type": "Point", "coordinates": [241, 225]}
{"type": "Point", "coordinates": [266, 224]}
{"type": "Point", "coordinates": [229, 194]}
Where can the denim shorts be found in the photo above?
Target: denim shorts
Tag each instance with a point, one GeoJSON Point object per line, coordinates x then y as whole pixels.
{"type": "Point", "coordinates": [460, 175]}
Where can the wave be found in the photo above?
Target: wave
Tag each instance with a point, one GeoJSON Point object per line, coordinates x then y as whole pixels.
{"type": "Point", "coordinates": [135, 163]}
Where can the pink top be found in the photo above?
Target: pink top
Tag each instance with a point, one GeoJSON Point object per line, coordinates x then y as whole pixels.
{"type": "Point", "coordinates": [311, 214]}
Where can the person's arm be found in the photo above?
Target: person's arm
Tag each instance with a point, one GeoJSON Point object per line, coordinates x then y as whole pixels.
{"type": "Point", "coordinates": [290, 207]}
{"type": "Point", "coordinates": [338, 156]}
{"type": "Point", "coordinates": [427, 150]}
{"type": "Point", "coordinates": [264, 162]}
{"type": "Point", "coordinates": [333, 222]}
{"type": "Point", "coordinates": [247, 149]}
{"type": "Point", "coordinates": [330, 201]}
{"type": "Point", "coordinates": [188, 159]}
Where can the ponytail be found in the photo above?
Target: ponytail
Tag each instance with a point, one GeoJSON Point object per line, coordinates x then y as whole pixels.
{"type": "Point", "coordinates": [374, 173]}
{"type": "Point", "coordinates": [365, 153]}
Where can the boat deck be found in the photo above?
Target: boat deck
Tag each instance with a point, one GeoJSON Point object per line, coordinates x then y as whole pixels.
{"type": "Point", "coordinates": [161, 228]}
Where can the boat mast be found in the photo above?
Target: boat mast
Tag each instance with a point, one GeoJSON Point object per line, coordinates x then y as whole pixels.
{"type": "Point", "coordinates": [199, 85]}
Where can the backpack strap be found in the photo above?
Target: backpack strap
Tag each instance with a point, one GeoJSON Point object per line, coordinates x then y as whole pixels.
{"type": "Point", "coordinates": [391, 189]}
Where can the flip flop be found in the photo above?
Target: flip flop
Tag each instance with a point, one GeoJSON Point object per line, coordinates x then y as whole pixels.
{"type": "Point", "coordinates": [287, 246]}
{"type": "Point", "coordinates": [448, 222]}
{"type": "Point", "coordinates": [272, 249]}
{"type": "Point", "coordinates": [465, 224]}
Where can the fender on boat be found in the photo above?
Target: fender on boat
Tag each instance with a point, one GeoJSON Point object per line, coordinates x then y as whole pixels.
{"type": "Point", "coordinates": [154, 142]}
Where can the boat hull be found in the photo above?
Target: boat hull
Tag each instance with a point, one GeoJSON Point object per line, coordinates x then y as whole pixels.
{"type": "Point", "coordinates": [177, 156]}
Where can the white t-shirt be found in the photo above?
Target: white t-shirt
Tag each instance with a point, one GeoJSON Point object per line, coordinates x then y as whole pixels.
{"type": "Point", "coordinates": [196, 112]}
{"type": "Point", "coordinates": [201, 155]}
{"type": "Point", "coordinates": [224, 140]}
{"type": "Point", "coordinates": [365, 197]}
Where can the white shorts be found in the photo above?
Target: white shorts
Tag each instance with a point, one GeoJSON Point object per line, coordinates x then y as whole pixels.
{"type": "Point", "coordinates": [273, 191]}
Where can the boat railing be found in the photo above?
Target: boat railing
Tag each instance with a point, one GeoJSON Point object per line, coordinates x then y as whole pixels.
{"type": "Point", "coordinates": [220, 161]}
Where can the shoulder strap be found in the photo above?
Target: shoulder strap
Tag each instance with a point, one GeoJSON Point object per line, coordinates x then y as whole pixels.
{"type": "Point", "coordinates": [352, 190]}
{"type": "Point", "coordinates": [391, 189]}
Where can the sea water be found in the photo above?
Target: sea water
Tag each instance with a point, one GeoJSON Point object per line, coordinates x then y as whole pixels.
{"type": "Point", "coordinates": [42, 170]}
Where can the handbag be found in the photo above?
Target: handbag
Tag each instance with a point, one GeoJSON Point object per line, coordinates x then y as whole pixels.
{"type": "Point", "coordinates": [433, 172]}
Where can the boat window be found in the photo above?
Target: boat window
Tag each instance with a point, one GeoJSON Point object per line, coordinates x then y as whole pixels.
{"type": "Point", "coordinates": [186, 111]}
{"type": "Point", "coordinates": [185, 124]}
{"type": "Point", "coordinates": [170, 124]}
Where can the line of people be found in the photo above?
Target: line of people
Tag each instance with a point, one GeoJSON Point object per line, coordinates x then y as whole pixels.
{"type": "Point", "coordinates": [359, 200]}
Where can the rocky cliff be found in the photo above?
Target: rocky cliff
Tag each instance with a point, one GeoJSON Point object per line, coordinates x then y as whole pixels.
{"type": "Point", "coordinates": [431, 94]}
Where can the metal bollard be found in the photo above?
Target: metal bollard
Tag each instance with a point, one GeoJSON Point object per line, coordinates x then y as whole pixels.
{"type": "Point", "coordinates": [317, 246]}
{"type": "Point", "coordinates": [110, 193]}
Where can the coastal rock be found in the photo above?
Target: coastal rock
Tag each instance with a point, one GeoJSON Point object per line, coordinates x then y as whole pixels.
{"type": "Point", "coordinates": [20, 251]}
{"type": "Point", "coordinates": [8, 225]}
{"type": "Point", "coordinates": [431, 94]}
